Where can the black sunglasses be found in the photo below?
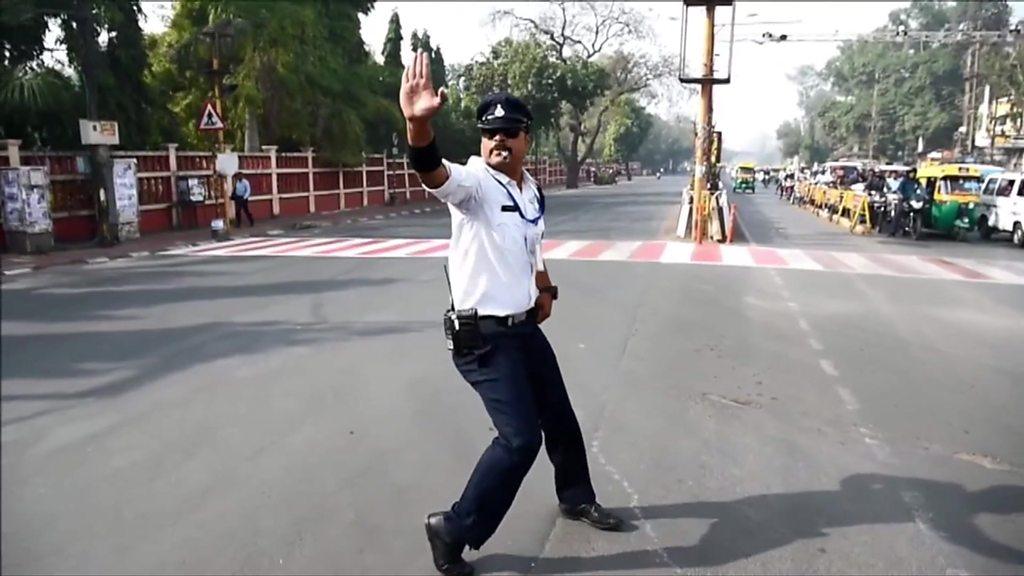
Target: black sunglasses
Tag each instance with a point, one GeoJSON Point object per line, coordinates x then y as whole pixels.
{"type": "Point", "coordinates": [510, 133]}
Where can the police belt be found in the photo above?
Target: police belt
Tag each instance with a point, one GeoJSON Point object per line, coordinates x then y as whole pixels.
{"type": "Point", "coordinates": [511, 319]}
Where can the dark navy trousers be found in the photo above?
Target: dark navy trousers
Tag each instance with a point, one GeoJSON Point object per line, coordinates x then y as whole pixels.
{"type": "Point", "coordinates": [516, 375]}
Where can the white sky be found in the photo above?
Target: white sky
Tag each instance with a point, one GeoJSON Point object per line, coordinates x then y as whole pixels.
{"type": "Point", "coordinates": [747, 111]}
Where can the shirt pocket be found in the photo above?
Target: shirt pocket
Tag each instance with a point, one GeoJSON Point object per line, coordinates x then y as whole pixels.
{"type": "Point", "coordinates": [508, 228]}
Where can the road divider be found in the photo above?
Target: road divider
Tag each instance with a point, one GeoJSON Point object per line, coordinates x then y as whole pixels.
{"type": "Point", "coordinates": [843, 206]}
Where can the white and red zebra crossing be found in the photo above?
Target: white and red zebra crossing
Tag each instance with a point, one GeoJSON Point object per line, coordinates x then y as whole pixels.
{"type": "Point", "coordinates": [665, 252]}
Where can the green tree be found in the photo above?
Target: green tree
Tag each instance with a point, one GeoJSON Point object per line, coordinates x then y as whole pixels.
{"type": "Point", "coordinates": [525, 68]}
{"type": "Point", "coordinates": [881, 97]}
{"type": "Point", "coordinates": [437, 68]}
{"type": "Point", "coordinates": [438, 73]}
{"type": "Point", "coordinates": [301, 68]}
{"type": "Point", "coordinates": [790, 137]}
{"type": "Point", "coordinates": [392, 51]}
{"type": "Point", "coordinates": [108, 74]}
{"type": "Point", "coordinates": [628, 127]}
{"type": "Point", "coordinates": [584, 47]}
{"type": "Point", "coordinates": [40, 106]}
{"type": "Point", "coordinates": [669, 144]}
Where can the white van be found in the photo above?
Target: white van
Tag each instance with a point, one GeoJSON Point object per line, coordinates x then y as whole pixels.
{"type": "Point", "coordinates": [1002, 206]}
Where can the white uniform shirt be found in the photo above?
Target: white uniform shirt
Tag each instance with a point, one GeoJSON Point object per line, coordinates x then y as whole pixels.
{"type": "Point", "coordinates": [494, 252]}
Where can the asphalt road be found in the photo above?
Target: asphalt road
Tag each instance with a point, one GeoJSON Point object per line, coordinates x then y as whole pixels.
{"type": "Point", "coordinates": [182, 414]}
{"type": "Point", "coordinates": [767, 220]}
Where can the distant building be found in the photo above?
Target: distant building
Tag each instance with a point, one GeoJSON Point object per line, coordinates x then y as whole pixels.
{"type": "Point", "coordinates": [1000, 131]}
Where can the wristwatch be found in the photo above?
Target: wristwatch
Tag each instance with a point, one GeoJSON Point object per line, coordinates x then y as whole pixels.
{"type": "Point", "coordinates": [553, 290]}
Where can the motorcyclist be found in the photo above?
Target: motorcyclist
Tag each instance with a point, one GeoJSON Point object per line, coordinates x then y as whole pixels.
{"type": "Point", "coordinates": [908, 187]}
{"type": "Point", "coordinates": [892, 180]}
{"type": "Point", "coordinates": [875, 187]}
{"type": "Point", "coordinates": [875, 182]}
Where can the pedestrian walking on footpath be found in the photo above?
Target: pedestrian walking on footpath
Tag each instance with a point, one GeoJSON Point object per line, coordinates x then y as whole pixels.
{"type": "Point", "coordinates": [241, 197]}
{"type": "Point", "coordinates": [501, 292]}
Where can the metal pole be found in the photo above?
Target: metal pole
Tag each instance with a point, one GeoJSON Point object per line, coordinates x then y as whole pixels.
{"type": "Point", "coordinates": [220, 133]}
{"type": "Point", "coordinates": [874, 115]}
{"type": "Point", "coordinates": [967, 102]}
{"type": "Point", "coordinates": [703, 176]}
{"type": "Point", "coordinates": [974, 95]}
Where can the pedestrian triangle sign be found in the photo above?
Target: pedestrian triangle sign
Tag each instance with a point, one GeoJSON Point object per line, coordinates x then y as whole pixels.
{"type": "Point", "coordinates": [210, 120]}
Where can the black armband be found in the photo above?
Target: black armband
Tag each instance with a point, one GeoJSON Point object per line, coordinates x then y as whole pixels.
{"type": "Point", "coordinates": [424, 159]}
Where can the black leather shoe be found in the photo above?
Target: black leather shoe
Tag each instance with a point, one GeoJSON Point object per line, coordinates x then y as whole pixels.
{"type": "Point", "coordinates": [447, 554]}
{"type": "Point", "coordinates": [593, 514]}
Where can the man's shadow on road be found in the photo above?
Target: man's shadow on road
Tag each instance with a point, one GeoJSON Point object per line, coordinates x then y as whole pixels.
{"type": "Point", "coordinates": [754, 525]}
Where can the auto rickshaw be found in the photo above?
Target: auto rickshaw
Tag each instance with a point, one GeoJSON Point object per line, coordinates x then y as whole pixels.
{"type": "Point", "coordinates": [743, 178]}
{"type": "Point", "coordinates": [953, 197]}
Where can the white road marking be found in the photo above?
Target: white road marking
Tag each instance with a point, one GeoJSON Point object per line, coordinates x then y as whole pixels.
{"type": "Point", "coordinates": [797, 259]}
{"type": "Point", "coordinates": [828, 367]}
{"type": "Point", "coordinates": [803, 324]}
{"type": "Point", "coordinates": [990, 269]}
{"type": "Point", "coordinates": [563, 251]}
{"type": "Point", "coordinates": [677, 252]}
{"type": "Point", "coordinates": [634, 504]}
{"type": "Point", "coordinates": [672, 252]}
{"type": "Point", "coordinates": [736, 255]}
{"type": "Point", "coordinates": [619, 251]}
{"type": "Point", "coordinates": [848, 398]}
{"type": "Point", "coordinates": [815, 344]}
{"type": "Point", "coordinates": [859, 263]}
{"type": "Point", "coordinates": [17, 271]}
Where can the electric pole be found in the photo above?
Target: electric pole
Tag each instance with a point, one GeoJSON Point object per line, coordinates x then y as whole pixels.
{"type": "Point", "coordinates": [215, 33]}
{"type": "Point", "coordinates": [971, 96]}
{"type": "Point", "coordinates": [874, 117]}
{"type": "Point", "coordinates": [705, 127]}
{"type": "Point", "coordinates": [703, 211]}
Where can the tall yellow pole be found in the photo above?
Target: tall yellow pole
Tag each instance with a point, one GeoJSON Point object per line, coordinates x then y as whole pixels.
{"type": "Point", "coordinates": [701, 197]}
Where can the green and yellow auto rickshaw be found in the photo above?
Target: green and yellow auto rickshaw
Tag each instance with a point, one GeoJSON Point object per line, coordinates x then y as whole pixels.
{"type": "Point", "coordinates": [743, 178]}
{"type": "Point", "coordinates": [953, 197]}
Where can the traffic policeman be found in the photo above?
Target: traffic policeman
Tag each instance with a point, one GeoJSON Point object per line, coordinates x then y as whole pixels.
{"type": "Point", "coordinates": [501, 293]}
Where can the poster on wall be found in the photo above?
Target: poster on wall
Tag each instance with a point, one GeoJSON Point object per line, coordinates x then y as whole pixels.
{"type": "Point", "coordinates": [37, 210]}
{"type": "Point", "coordinates": [126, 190]}
{"type": "Point", "coordinates": [192, 190]}
{"type": "Point", "coordinates": [11, 198]}
{"type": "Point", "coordinates": [26, 198]}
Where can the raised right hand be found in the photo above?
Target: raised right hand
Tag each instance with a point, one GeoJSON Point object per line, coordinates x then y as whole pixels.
{"type": "Point", "coordinates": [417, 97]}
